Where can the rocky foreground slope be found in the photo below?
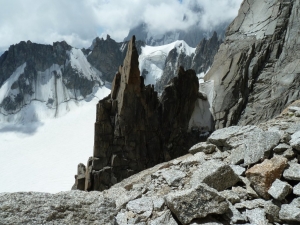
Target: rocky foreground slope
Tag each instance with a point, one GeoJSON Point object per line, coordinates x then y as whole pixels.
{"type": "Point", "coordinates": [241, 175]}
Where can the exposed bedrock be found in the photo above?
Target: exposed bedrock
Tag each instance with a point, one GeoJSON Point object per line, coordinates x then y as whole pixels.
{"type": "Point", "coordinates": [135, 130]}
{"type": "Point", "coordinates": [256, 70]}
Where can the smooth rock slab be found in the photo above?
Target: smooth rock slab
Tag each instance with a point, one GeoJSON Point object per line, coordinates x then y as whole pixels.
{"type": "Point", "coordinates": [296, 189]}
{"type": "Point", "coordinates": [290, 212]}
{"type": "Point", "coordinates": [197, 202]}
{"type": "Point", "coordinates": [279, 189]}
{"type": "Point", "coordinates": [264, 174]}
{"type": "Point", "coordinates": [215, 174]}
{"type": "Point", "coordinates": [292, 172]}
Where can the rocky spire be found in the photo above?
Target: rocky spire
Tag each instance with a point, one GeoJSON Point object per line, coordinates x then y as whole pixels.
{"type": "Point", "coordinates": [134, 130]}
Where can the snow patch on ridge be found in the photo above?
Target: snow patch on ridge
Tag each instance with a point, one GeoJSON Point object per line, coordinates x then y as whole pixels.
{"type": "Point", "coordinates": [152, 59]}
{"type": "Point", "coordinates": [79, 62]}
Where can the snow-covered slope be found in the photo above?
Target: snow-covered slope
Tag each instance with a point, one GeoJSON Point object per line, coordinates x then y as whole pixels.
{"type": "Point", "coordinates": [43, 156]}
{"type": "Point", "coordinates": [52, 92]}
{"type": "Point", "coordinates": [152, 61]}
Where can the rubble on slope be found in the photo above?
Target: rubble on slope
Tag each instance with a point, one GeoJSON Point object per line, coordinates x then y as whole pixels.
{"type": "Point", "coordinates": [171, 193]}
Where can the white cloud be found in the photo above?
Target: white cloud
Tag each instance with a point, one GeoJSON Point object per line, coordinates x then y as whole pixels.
{"type": "Point", "coordinates": [79, 22]}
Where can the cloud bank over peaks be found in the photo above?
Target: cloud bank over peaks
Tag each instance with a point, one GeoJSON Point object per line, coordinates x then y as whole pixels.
{"type": "Point", "coordinates": [79, 22]}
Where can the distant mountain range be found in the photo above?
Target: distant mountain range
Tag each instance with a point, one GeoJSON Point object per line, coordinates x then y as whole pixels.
{"type": "Point", "coordinates": [57, 76]}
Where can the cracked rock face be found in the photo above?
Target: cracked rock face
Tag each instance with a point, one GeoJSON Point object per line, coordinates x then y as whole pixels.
{"type": "Point", "coordinates": [256, 70]}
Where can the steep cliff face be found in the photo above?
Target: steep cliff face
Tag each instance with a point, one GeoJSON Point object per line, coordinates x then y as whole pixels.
{"type": "Point", "coordinates": [256, 70]}
{"type": "Point", "coordinates": [134, 130]}
{"type": "Point", "coordinates": [50, 75]}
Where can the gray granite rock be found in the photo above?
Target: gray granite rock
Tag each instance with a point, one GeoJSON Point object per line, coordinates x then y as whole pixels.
{"type": "Point", "coordinates": [290, 212]}
{"type": "Point", "coordinates": [238, 170]}
{"type": "Point", "coordinates": [158, 203]}
{"type": "Point", "coordinates": [281, 148]}
{"type": "Point", "coordinates": [257, 216]}
{"type": "Point", "coordinates": [252, 143]}
{"type": "Point", "coordinates": [235, 216]}
{"type": "Point", "coordinates": [231, 196]}
{"type": "Point", "coordinates": [296, 189]}
{"type": "Point", "coordinates": [295, 140]}
{"type": "Point", "coordinates": [165, 218]}
{"type": "Point", "coordinates": [279, 189]}
{"type": "Point", "coordinates": [71, 207]}
{"type": "Point", "coordinates": [202, 147]}
{"type": "Point", "coordinates": [173, 177]}
{"type": "Point", "coordinates": [272, 209]}
{"type": "Point", "coordinates": [197, 202]}
{"type": "Point", "coordinates": [215, 174]}
{"type": "Point", "coordinates": [250, 204]}
{"type": "Point", "coordinates": [140, 205]}
{"type": "Point", "coordinates": [292, 172]}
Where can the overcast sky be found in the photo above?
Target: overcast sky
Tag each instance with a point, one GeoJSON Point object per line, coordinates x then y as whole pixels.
{"type": "Point", "coordinates": [79, 21]}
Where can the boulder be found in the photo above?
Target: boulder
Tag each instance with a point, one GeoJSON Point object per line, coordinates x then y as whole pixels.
{"type": "Point", "coordinates": [264, 174]}
{"type": "Point", "coordinates": [290, 212]}
{"type": "Point", "coordinates": [295, 140]}
{"type": "Point", "coordinates": [250, 143]}
{"type": "Point", "coordinates": [292, 172]}
{"type": "Point", "coordinates": [296, 189]}
{"type": "Point", "coordinates": [196, 202]}
{"type": "Point", "coordinates": [279, 189]}
{"type": "Point", "coordinates": [173, 177]}
{"type": "Point", "coordinates": [202, 147]}
{"type": "Point", "coordinates": [215, 174]}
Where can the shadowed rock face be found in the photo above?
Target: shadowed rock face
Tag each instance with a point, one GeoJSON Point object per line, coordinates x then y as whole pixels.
{"type": "Point", "coordinates": [256, 70]}
{"type": "Point", "coordinates": [107, 55]}
{"type": "Point", "coordinates": [134, 130]}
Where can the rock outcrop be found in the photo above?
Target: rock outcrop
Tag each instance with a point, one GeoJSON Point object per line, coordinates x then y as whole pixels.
{"type": "Point", "coordinates": [171, 193]}
{"type": "Point", "coordinates": [135, 130]}
{"type": "Point", "coordinates": [256, 70]}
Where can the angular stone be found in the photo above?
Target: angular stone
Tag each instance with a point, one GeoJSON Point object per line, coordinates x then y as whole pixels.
{"type": "Point", "coordinates": [235, 216]}
{"type": "Point", "coordinates": [296, 189]}
{"type": "Point", "coordinates": [250, 204]}
{"type": "Point", "coordinates": [290, 212]}
{"type": "Point", "coordinates": [295, 140]}
{"type": "Point", "coordinates": [279, 189]}
{"type": "Point", "coordinates": [140, 205]}
{"type": "Point", "coordinates": [158, 203]}
{"type": "Point", "coordinates": [292, 172]}
{"type": "Point", "coordinates": [238, 170]}
{"type": "Point", "coordinates": [257, 216]}
{"type": "Point", "coordinates": [202, 147]}
{"type": "Point", "coordinates": [281, 148]}
{"type": "Point", "coordinates": [215, 174]}
{"type": "Point", "coordinates": [272, 211]}
{"type": "Point", "coordinates": [197, 202]}
{"type": "Point", "coordinates": [165, 218]}
{"type": "Point", "coordinates": [250, 142]}
{"type": "Point", "coordinates": [264, 174]}
{"type": "Point", "coordinates": [231, 196]}
{"type": "Point", "coordinates": [173, 177]}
